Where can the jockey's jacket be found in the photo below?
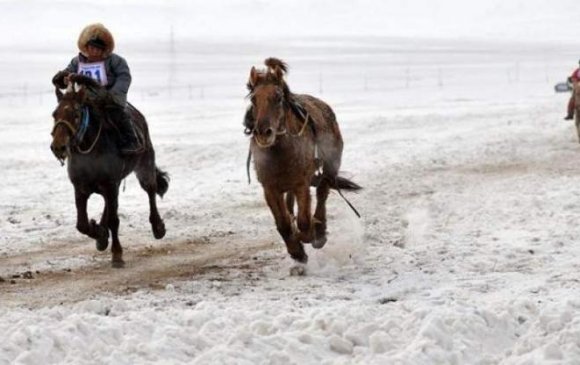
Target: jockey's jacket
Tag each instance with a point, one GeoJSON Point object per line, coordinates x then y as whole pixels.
{"type": "Point", "coordinates": [112, 73]}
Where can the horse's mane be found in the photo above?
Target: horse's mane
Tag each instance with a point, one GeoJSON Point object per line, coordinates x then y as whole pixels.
{"type": "Point", "coordinates": [272, 63]}
{"type": "Point", "coordinates": [273, 74]}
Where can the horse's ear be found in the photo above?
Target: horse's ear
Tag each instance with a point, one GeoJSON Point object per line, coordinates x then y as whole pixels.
{"type": "Point", "coordinates": [253, 78]}
{"type": "Point", "coordinates": [58, 94]}
{"type": "Point", "coordinates": [279, 72]}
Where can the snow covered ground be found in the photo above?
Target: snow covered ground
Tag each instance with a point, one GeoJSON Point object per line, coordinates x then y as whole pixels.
{"type": "Point", "coordinates": [467, 251]}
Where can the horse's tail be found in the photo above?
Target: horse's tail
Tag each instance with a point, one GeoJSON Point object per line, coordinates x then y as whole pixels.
{"type": "Point", "coordinates": [162, 181]}
{"type": "Point", "coordinates": [337, 183]}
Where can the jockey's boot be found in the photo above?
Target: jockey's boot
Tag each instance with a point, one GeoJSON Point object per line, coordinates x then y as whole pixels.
{"type": "Point", "coordinates": [129, 144]}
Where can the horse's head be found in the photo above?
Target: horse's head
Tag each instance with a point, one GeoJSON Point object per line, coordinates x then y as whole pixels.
{"type": "Point", "coordinates": [67, 118]}
{"type": "Point", "coordinates": [268, 94]}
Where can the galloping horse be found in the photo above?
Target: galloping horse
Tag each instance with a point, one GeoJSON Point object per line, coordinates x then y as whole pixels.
{"type": "Point", "coordinates": [296, 143]}
{"type": "Point", "coordinates": [84, 136]}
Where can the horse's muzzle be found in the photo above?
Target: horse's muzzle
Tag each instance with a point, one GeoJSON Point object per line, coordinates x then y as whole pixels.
{"type": "Point", "coordinates": [265, 139]}
{"type": "Point", "coordinates": [59, 152]}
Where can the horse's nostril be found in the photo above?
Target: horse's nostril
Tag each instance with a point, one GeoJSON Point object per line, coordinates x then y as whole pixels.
{"type": "Point", "coordinates": [269, 132]}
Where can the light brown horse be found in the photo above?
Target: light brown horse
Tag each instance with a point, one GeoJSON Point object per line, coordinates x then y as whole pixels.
{"type": "Point", "coordinates": [296, 143]}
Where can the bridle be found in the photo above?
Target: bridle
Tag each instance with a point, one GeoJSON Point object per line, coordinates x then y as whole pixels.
{"type": "Point", "coordinates": [300, 112]}
{"type": "Point", "coordinates": [66, 123]}
{"type": "Point", "coordinates": [74, 131]}
{"type": "Point", "coordinates": [297, 110]}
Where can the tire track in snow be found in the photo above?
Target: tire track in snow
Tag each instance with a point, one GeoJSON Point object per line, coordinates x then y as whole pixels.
{"type": "Point", "coordinates": [146, 267]}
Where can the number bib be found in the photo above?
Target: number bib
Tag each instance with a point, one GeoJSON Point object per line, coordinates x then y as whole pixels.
{"type": "Point", "coordinates": [95, 71]}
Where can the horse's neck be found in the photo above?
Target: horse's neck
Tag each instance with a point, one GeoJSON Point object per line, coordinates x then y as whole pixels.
{"type": "Point", "coordinates": [289, 118]}
{"type": "Point", "coordinates": [296, 124]}
{"type": "Point", "coordinates": [97, 135]}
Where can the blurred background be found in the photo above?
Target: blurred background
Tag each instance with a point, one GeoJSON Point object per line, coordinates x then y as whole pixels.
{"type": "Point", "coordinates": [380, 53]}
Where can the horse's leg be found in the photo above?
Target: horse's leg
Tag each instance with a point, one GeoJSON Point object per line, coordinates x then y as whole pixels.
{"type": "Point", "coordinates": [320, 214]}
{"type": "Point", "coordinates": [275, 200]}
{"type": "Point", "coordinates": [577, 122]}
{"type": "Point", "coordinates": [290, 198]}
{"type": "Point", "coordinates": [331, 151]}
{"type": "Point", "coordinates": [111, 208]}
{"type": "Point", "coordinates": [304, 220]}
{"type": "Point", "coordinates": [102, 246]}
{"type": "Point", "coordinates": [157, 224]}
{"type": "Point", "coordinates": [91, 229]}
{"type": "Point", "coordinates": [147, 175]}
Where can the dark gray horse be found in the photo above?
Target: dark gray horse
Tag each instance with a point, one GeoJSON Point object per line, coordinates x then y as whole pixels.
{"type": "Point", "coordinates": [84, 136]}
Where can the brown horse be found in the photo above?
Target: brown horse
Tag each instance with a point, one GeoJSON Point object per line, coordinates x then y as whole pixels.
{"type": "Point", "coordinates": [296, 143]}
{"type": "Point", "coordinates": [88, 142]}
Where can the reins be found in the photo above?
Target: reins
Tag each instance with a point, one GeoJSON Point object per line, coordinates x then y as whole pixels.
{"type": "Point", "coordinates": [90, 149]}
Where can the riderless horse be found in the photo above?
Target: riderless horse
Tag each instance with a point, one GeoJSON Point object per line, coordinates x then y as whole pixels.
{"type": "Point", "coordinates": [296, 143]}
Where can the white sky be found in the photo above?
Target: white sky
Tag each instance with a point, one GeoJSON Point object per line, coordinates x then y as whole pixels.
{"type": "Point", "coordinates": [60, 21]}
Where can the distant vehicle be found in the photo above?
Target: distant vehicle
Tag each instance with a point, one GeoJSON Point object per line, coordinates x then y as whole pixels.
{"type": "Point", "coordinates": [563, 87]}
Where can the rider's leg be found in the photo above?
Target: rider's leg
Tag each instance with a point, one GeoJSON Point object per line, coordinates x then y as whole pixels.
{"type": "Point", "coordinates": [128, 143]}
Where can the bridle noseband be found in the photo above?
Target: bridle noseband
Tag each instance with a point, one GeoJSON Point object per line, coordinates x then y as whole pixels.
{"type": "Point", "coordinates": [66, 123]}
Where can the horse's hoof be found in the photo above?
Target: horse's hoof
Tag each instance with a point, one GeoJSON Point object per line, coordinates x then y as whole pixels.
{"type": "Point", "coordinates": [301, 258]}
{"type": "Point", "coordinates": [118, 264]}
{"type": "Point", "coordinates": [102, 235]}
{"type": "Point", "coordinates": [319, 242]}
{"type": "Point", "coordinates": [298, 270]}
{"type": "Point", "coordinates": [102, 244]}
{"type": "Point", "coordinates": [103, 241]}
{"type": "Point", "coordinates": [159, 230]}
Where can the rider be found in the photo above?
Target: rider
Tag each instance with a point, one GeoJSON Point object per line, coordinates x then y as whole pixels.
{"type": "Point", "coordinates": [97, 60]}
{"type": "Point", "coordinates": [574, 78]}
